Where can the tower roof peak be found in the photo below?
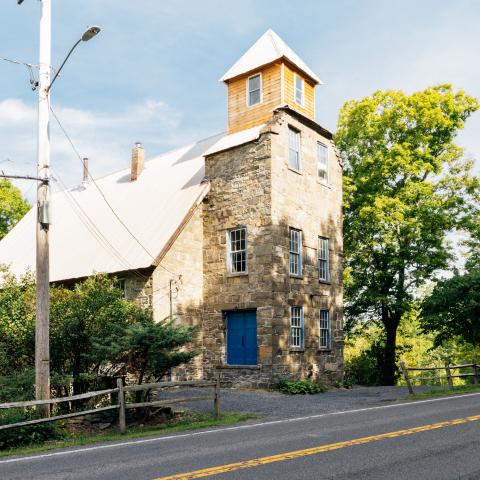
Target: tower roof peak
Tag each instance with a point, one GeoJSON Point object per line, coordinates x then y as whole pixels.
{"type": "Point", "coordinates": [268, 48]}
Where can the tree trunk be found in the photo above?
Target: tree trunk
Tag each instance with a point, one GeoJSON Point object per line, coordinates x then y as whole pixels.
{"type": "Point", "coordinates": [389, 357]}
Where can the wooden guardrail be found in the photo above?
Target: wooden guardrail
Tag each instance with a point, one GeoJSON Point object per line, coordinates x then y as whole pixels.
{"type": "Point", "coordinates": [448, 374]}
{"type": "Point", "coordinates": [122, 404]}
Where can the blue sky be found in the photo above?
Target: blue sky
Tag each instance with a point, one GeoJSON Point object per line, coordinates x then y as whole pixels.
{"type": "Point", "coordinates": [152, 74]}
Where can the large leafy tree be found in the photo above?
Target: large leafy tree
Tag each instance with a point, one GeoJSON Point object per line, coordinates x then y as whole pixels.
{"type": "Point", "coordinates": [407, 186]}
{"type": "Point", "coordinates": [453, 309]}
{"type": "Point", "coordinates": [12, 206]}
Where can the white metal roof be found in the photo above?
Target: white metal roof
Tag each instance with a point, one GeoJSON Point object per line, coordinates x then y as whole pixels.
{"type": "Point", "coordinates": [86, 236]}
{"type": "Point", "coordinates": [268, 48]}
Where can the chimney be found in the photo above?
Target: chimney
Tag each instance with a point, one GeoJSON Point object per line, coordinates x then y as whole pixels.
{"type": "Point", "coordinates": [138, 160]}
{"type": "Point", "coordinates": [86, 173]}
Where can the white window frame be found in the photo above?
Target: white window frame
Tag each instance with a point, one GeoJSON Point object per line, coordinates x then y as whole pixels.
{"type": "Point", "coordinates": [259, 74]}
{"type": "Point", "coordinates": [231, 253]}
{"type": "Point", "coordinates": [324, 330]}
{"type": "Point", "coordinates": [295, 89]}
{"type": "Point", "coordinates": [323, 255]}
{"type": "Point", "coordinates": [297, 327]}
{"type": "Point", "coordinates": [298, 137]}
{"type": "Point", "coordinates": [322, 166]}
{"type": "Point", "coordinates": [298, 254]}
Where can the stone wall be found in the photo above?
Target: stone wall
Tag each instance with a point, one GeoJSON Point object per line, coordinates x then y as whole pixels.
{"type": "Point", "coordinates": [301, 201]}
{"type": "Point", "coordinates": [252, 186]}
{"type": "Point", "coordinates": [239, 196]}
{"type": "Point", "coordinates": [183, 265]}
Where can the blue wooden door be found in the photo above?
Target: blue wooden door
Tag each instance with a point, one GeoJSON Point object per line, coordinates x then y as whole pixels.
{"type": "Point", "coordinates": [242, 338]}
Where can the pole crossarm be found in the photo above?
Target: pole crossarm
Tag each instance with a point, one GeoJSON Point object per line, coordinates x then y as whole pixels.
{"type": "Point", "coordinates": [24, 177]}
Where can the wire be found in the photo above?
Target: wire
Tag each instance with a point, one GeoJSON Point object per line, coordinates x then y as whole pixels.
{"type": "Point", "coordinates": [18, 62]}
{"type": "Point", "coordinates": [33, 81]}
{"type": "Point", "coordinates": [103, 195]}
{"type": "Point", "coordinates": [93, 229]}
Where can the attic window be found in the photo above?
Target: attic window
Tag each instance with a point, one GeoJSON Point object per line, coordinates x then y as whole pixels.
{"type": "Point", "coordinates": [299, 90]}
{"type": "Point", "coordinates": [254, 90]}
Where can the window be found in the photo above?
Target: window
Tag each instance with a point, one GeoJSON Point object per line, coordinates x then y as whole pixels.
{"type": "Point", "coordinates": [122, 285]}
{"type": "Point", "coordinates": [296, 327]}
{"type": "Point", "coordinates": [293, 148]}
{"type": "Point", "coordinates": [237, 250]}
{"type": "Point", "coordinates": [324, 329]}
{"type": "Point", "coordinates": [295, 252]}
{"type": "Point", "coordinates": [322, 162]}
{"type": "Point", "coordinates": [254, 90]}
{"type": "Point", "coordinates": [299, 89]}
{"type": "Point", "coordinates": [323, 259]}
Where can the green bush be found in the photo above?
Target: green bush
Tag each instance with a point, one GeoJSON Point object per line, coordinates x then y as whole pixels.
{"type": "Point", "coordinates": [300, 387]}
{"type": "Point", "coordinates": [15, 437]}
{"type": "Point", "coordinates": [16, 388]}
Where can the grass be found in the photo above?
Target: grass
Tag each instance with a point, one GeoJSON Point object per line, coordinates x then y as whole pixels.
{"type": "Point", "coordinates": [444, 392]}
{"type": "Point", "coordinates": [194, 422]}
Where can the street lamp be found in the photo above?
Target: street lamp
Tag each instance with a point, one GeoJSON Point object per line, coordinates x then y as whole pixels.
{"type": "Point", "coordinates": [42, 336]}
{"type": "Point", "coordinates": [89, 33]}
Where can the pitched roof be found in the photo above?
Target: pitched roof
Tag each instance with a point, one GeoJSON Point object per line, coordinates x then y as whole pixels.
{"type": "Point", "coordinates": [87, 237]}
{"type": "Point", "coordinates": [268, 48]}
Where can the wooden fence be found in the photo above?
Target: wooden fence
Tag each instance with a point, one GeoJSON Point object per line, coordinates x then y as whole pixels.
{"type": "Point", "coordinates": [448, 374]}
{"type": "Point", "coordinates": [121, 404]}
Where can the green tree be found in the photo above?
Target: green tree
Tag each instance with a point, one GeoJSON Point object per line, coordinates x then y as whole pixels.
{"type": "Point", "coordinates": [147, 349]}
{"type": "Point", "coordinates": [94, 332]}
{"type": "Point", "coordinates": [453, 309]}
{"type": "Point", "coordinates": [12, 206]}
{"type": "Point", "coordinates": [17, 323]}
{"type": "Point", "coordinates": [406, 187]}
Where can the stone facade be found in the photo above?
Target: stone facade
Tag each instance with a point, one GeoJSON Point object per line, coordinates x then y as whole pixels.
{"type": "Point", "coordinates": [252, 186]}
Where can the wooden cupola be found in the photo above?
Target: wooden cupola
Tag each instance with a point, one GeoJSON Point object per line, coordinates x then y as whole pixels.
{"type": "Point", "coordinates": [269, 75]}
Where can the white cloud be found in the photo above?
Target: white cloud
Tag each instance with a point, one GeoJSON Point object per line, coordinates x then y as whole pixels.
{"type": "Point", "coordinates": [105, 137]}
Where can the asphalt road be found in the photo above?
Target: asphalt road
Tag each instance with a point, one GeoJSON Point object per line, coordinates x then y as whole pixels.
{"type": "Point", "coordinates": [433, 439]}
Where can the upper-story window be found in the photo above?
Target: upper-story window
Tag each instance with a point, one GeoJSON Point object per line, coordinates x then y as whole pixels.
{"type": "Point", "coordinates": [254, 89]}
{"type": "Point", "coordinates": [293, 149]}
{"type": "Point", "coordinates": [295, 248]}
{"type": "Point", "coordinates": [299, 90]}
{"type": "Point", "coordinates": [323, 259]}
{"type": "Point", "coordinates": [322, 162]}
{"type": "Point", "coordinates": [297, 334]}
{"type": "Point", "coordinates": [237, 250]}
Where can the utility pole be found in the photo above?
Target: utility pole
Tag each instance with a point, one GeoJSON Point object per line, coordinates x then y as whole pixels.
{"type": "Point", "coordinates": [42, 325]}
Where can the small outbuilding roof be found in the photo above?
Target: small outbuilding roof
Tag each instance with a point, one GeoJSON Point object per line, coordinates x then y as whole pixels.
{"type": "Point", "coordinates": [268, 48]}
{"type": "Point", "coordinates": [88, 236]}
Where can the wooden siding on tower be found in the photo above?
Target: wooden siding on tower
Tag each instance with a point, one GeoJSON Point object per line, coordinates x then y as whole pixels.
{"type": "Point", "coordinates": [308, 109]}
{"type": "Point", "coordinates": [240, 115]}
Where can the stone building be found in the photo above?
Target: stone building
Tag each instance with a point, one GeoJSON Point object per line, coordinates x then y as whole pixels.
{"type": "Point", "coordinates": [240, 233]}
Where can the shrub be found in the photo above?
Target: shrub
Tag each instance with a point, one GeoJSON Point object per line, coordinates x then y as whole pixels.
{"type": "Point", "coordinates": [26, 435]}
{"type": "Point", "coordinates": [300, 387]}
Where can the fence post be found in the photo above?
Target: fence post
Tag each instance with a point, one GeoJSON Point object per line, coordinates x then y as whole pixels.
{"type": "Point", "coordinates": [475, 373]}
{"type": "Point", "coordinates": [122, 423]}
{"type": "Point", "coordinates": [216, 401]}
{"type": "Point", "coordinates": [449, 375]}
{"type": "Point", "coordinates": [407, 379]}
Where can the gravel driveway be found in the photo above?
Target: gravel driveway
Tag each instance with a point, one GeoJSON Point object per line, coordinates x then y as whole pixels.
{"type": "Point", "coordinates": [275, 405]}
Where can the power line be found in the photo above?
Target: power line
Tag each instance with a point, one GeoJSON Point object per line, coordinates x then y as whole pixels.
{"type": "Point", "coordinates": [94, 230]}
{"type": "Point", "coordinates": [33, 81]}
{"type": "Point", "coordinates": [103, 195]}
{"type": "Point", "coordinates": [18, 62]}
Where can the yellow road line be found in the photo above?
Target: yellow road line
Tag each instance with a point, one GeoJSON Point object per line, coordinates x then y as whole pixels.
{"type": "Point", "coordinates": [206, 472]}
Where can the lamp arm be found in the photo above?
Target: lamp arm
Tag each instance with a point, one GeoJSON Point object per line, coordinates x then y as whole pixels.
{"type": "Point", "coordinates": [63, 63]}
